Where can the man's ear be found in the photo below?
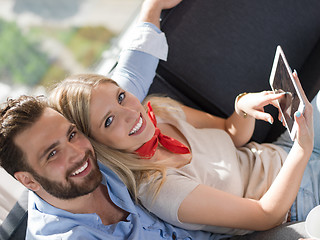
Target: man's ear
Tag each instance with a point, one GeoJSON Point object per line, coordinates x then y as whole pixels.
{"type": "Point", "coordinates": [27, 180]}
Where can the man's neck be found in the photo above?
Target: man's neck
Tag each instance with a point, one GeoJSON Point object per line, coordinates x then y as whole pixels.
{"type": "Point", "coordinates": [98, 202]}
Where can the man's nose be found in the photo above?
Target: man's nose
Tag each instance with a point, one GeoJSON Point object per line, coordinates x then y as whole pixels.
{"type": "Point", "coordinates": [74, 152]}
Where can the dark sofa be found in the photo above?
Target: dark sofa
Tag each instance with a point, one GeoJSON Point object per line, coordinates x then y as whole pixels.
{"type": "Point", "coordinates": [220, 48]}
{"type": "Point", "coordinates": [15, 224]}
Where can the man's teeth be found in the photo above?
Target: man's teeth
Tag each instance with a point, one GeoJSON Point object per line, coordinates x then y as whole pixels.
{"type": "Point", "coordinates": [80, 170]}
{"type": "Point", "coordinates": [137, 127]}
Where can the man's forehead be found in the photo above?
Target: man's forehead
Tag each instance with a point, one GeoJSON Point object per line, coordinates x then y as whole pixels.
{"type": "Point", "coordinates": [49, 117]}
{"type": "Point", "coordinates": [51, 112]}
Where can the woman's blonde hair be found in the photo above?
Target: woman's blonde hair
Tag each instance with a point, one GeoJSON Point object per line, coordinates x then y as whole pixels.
{"type": "Point", "coordinates": [71, 98]}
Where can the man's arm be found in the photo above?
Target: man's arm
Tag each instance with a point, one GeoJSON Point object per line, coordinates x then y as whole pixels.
{"type": "Point", "coordinates": [139, 59]}
{"type": "Point", "coordinates": [151, 10]}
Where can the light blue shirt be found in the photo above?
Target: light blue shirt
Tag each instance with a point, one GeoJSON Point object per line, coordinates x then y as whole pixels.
{"type": "Point", "coordinates": [47, 222]}
{"type": "Point", "coordinates": [135, 72]}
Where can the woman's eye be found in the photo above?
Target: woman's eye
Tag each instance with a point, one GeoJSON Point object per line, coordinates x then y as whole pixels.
{"type": "Point", "coordinates": [51, 154]}
{"type": "Point", "coordinates": [108, 122]}
{"type": "Point", "coordinates": [121, 97]}
{"type": "Point", "coordinates": [72, 135]}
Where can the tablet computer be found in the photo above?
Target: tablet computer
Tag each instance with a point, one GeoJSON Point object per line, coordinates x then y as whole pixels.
{"type": "Point", "coordinates": [281, 80]}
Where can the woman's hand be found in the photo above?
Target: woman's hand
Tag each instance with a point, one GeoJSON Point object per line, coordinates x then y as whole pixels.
{"type": "Point", "coordinates": [305, 132]}
{"type": "Point", "coordinates": [253, 104]}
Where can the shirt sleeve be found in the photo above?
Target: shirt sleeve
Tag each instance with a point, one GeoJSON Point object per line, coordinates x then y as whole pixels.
{"type": "Point", "coordinates": [139, 59]}
{"type": "Point", "coordinates": [167, 202]}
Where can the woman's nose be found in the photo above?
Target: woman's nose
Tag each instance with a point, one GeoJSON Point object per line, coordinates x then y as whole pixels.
{"type": "Point", "coordinates": [130, 114]}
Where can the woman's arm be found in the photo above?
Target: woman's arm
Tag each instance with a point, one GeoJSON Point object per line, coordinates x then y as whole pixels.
{"type": "Point", "coordinates": [206, 205]}
{"type": "Point", "coordinates": [238, 126]}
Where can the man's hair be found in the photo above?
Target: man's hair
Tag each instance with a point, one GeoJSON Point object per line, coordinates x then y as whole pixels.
{"type": "Point", "coordinates": [17, 115]}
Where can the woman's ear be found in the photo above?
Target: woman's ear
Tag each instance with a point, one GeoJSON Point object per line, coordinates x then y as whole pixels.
{"type": "Point", "coordinates": [27, 180]}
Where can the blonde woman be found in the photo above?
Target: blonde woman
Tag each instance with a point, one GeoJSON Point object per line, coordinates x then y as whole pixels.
{"type": "Point", "coordinates": [215, 181]}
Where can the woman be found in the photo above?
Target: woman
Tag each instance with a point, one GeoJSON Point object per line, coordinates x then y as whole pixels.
{"type": "Point", "coordinates": [221, 183]}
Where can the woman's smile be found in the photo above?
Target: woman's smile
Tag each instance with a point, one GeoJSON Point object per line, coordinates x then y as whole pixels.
{"type": "Point", "coordinates": [138, 127]}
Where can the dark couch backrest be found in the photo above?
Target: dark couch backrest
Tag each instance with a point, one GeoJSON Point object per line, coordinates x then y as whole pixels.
{"type": "Point", "coordinates": [220, 48]}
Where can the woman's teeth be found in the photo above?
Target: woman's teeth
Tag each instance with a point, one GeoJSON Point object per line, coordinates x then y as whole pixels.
{"type": "Point", "coordinates": [137, 127]}
{"type": "Point", "coordinates": [80, 170]}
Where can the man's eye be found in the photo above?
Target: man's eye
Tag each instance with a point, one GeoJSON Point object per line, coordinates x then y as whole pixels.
{"type": "Point", "coordinates": [51, 154]}
{"type": "Point", "coordinates": [121, 97]}
{"type": "Point", "coordinates": [108, 122]}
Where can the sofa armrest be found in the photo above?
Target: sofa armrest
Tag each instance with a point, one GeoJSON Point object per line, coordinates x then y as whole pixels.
{"type": "Point", "coordinates": [15, 224]}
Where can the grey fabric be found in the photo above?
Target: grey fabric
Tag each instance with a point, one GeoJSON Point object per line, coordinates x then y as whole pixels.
{"type": "Point", "coordinates": [288, 231]}
{"type": "Point", "coordinates": [14, 226]}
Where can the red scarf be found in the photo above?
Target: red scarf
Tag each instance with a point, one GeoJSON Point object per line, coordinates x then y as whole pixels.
{"type": "Point", "coordinates": [148, 149]}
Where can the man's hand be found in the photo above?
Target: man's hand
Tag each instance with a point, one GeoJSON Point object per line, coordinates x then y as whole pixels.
{"type": "Point", "coordinates": [151, 10]}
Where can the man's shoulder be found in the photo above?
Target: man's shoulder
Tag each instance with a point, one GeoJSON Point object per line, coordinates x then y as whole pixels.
{"type": "Point", "coordinates": [48, 222]}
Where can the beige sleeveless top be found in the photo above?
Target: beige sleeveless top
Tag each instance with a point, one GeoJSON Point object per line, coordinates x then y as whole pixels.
{"type": "Point", "coordinates": [246, 172]}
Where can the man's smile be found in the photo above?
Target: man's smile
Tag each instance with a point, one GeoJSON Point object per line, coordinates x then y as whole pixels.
{"type": "Point", "coordinates": [83, 170]}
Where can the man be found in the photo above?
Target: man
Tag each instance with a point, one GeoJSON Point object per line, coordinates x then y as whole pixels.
{"type": "Point", "coordinates": [71, 195]}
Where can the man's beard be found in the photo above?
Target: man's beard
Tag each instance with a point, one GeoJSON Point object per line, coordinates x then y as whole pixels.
{"type": "Point", "coordinates": [70, 189]}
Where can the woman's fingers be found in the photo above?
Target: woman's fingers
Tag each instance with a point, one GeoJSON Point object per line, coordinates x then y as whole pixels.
{"type": "Point", "coordinates": [297, 81]}
{"type": "Point", "coordinates": [254, 104]}
{"type": "Point", "coordinates": [263, 116]}
{"type": "Point", "coordinates": [305, 129]}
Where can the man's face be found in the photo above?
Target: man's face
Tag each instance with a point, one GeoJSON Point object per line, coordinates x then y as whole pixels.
{"type": "Point", "coordinates": [61, 158]}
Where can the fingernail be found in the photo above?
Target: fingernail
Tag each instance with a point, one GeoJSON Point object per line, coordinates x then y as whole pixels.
{"type": "Point", "coordinates": [281, 119]}
{"type": "Point", "coordinates": [270, 121]}
{"type": "Point", "coordinates": [298, 113]}
{"type": "Point", "coordinates": [295, 71]}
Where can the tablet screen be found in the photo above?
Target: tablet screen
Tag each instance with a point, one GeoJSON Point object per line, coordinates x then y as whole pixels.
{"type": "Point", "coordinates": [282, 82]}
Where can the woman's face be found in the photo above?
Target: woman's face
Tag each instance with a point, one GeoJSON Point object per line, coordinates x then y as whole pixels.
{"type": "Point", "coordinates": [118, 119]}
